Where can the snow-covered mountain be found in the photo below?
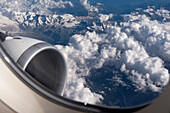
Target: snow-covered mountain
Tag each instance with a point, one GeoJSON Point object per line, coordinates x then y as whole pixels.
{"type": "Point", "coordinates": [47, 17]}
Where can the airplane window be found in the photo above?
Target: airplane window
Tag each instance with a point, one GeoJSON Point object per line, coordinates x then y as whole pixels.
{"type": "Point", "coordinates": [117, 53]}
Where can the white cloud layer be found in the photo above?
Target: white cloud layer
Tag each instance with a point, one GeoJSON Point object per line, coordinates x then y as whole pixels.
{"type": "Point", "coordinates": [154, 36]}
{"type": "Point", "coordinates": [139, 49]}
{"type": "Point", "coordinates": [88, 6]}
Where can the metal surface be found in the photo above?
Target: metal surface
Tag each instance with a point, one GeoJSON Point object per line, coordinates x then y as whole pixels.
{"type": "Point", "coordinates": [22, 98]}
{"type": "Point", "coordinates": [5, 108]}
{"type": "Point", "coordinates": [48, 69]}
{"type": "Point", "coordinates": [16, 46]}
{"type": "Point", "coordinates": [28, 54]}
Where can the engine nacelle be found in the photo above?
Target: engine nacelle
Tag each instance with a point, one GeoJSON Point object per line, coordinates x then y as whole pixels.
{"type": "Point", "coordinates": [44, 62]}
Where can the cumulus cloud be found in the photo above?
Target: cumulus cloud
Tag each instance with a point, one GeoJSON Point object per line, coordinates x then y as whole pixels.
{"type": "Point", "coordinates": [163, 13]}
{"type": "Point", "coordinates": [138, 49]}
{"type": "Point", "coordinates": [154, 36]}
{"type": "Point", "coordinates": [104, 17]}
{"type": "Point", "coordinates": [160, 12]}
{"type": "Point", "coordinates": [77, 91]}
{"type": "Point", "coordinates": [88, 6]}
{"type": "Point", "coordinates": [78, 67]}
{"type": "Point", "coordinates": [139, 65]}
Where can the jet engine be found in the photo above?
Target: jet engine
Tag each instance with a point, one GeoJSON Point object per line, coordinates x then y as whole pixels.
{"type": "Point", "coordinates": [44, 62]}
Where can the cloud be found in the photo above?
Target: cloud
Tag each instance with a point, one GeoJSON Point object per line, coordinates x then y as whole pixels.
{"type": "Point", "coordinates": [154, 36]}
{"type": "Point", "coordinates": [138, 49]}
{"type": "Point", "coordinates": [87, 5]}
{"type": "Point", "coordinates": [77, 91]}
{"type": "Point", "coordinates": [104, 17]}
